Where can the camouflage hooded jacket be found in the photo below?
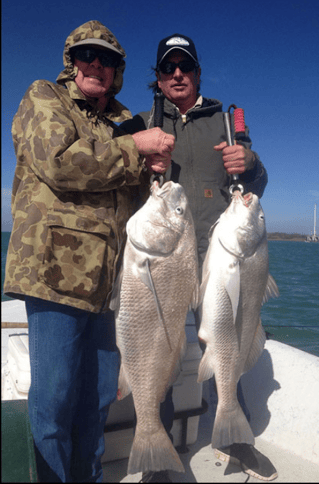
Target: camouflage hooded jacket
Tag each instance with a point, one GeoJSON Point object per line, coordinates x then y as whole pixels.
{"type": "Point", "coordinates": [73, 189]}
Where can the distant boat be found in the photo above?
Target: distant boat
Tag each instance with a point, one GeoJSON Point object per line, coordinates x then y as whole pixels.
{"type": "Point", "coordinates": [313, 237]}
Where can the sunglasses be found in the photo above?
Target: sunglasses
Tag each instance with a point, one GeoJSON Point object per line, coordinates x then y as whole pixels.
{"type": "Point", "coordinates": [184, 66]}
{"type": "Point", "coordinates": [89, 54]}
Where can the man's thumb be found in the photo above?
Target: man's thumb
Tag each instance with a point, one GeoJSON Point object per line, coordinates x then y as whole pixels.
{"type": "Point", "coordinates": [221, 146]}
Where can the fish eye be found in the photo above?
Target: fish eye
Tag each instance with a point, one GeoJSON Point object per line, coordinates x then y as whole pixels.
{"type": "Point", "coordinates": [179, 210]}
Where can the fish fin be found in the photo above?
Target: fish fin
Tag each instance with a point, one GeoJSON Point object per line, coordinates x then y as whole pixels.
{"type": "Point", "coordinates": [178, 366]}
{"type": "Point", "coordinates": [116, 291]}
{"type": "Point", "coordinates": [231, 427]}
{"type": "Point", "coordinates": [203, 286]}
{"type": "Point", "coordinates": [232, 286]}
{"type": "Point", "coordinates": [195, 298]}
{"type": "Point", "coordinates": [146, 277]}
{"type": "Point", "coordinates": [144, 273]}
{"type": "Point", "coordinates": [257, 347]}
{"type": "Point", "coordinates": [271, 289]}
{"type": "Point", "coordinates": [211, 230]}
{"type": "Point", "coordinates": [205, 369]}
{"type": "Point", "coordinates": [124, 388]}
{"type": "Point", "coordinates": [205, 274]}
{"type": "Point", "coordinates": [153, 452]}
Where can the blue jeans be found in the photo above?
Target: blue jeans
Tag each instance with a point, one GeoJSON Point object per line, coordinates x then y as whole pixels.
{"type": "Point", "coordinates": [74, 373]}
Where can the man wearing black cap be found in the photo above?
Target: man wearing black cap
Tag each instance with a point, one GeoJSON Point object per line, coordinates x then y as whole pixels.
{"type": "Point", "coordinates": [201, 162]}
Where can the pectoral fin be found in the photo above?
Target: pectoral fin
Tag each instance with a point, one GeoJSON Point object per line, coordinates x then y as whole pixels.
{"type": "Point", "coordinates": [203, 286]}
{"type": "Point", "coordinates": [195, 298]}
{"type": "Point", "coordinates": [257, 347]}
{"type": "Point", "coordinates": [144, 274]}
{"type": "Point", "coordinates": [211, 230]}
{"type": "Point", "coordinates": [232, 286]}
{"type": "Point", "coordinates": [146, 277]}
{"type": "Point", "coordinates": [205, 272]}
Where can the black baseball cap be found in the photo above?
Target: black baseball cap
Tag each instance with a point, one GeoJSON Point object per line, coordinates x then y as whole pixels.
{"type": "Point", "coordinates": [176, 41]}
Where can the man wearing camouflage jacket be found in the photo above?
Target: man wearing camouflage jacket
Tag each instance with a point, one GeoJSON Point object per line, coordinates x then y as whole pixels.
{"type": "Point", "coordinates": [73, 192]}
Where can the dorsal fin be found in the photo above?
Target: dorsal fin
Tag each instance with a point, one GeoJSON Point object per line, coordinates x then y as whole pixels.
{"type": "Point", "coordinates": [271, 289]}
{"type": "Point", "coordinates": [257, 347]}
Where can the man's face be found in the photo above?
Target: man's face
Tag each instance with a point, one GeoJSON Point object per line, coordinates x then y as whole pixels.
{"type": "Point", "coordinates": [179, 87]}
{"type": "Point", "coordinates": [93, 79]}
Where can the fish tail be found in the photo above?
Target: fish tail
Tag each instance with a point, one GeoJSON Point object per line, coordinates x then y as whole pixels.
{"type": "Point", "coordinates": [153, 452]}
{"type": "Point", "coordinates": [231, 427]}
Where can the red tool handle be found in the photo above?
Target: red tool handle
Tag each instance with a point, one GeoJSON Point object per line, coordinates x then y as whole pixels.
{"type": "Point", "coordinates": [239, 123]}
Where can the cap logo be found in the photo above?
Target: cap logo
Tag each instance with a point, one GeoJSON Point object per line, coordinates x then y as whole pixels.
{"type": "Point", "coordinates": [177, 41]}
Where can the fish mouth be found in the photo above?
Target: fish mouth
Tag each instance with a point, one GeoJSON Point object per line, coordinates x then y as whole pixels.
{"type": "Point", "coordinates": [247, 199]}
{"type": "Point", "coordinates": [155, 186]}
{"type": "Point", "coordinates": [170, 192]}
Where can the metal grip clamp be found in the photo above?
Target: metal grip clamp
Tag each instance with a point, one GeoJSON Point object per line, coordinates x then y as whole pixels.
{"type": "Point", "coordinates": [158, 123]}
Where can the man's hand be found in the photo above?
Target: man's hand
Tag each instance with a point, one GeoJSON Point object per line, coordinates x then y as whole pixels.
{"type": "Point", "coordinates": [154, 141]}
{"type": "Point", "coordinates": [237, 159]}
{"type": "Point", "coordinates": [158, 163]}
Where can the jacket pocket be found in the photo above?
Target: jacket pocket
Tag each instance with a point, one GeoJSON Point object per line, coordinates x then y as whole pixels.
{"type": "Point", "coordinates": [74, 254]}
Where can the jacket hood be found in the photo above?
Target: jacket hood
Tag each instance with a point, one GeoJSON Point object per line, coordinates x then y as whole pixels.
{"type": "Point", "coordinates": [91, 30]}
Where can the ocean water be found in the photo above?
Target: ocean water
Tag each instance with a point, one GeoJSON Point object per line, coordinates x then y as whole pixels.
{"type": "Point", "coordinates": [293, 318]}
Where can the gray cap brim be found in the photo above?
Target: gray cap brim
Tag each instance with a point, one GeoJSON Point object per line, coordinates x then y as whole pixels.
{"type": "Point", "coordinates": [100, 42]}
{"type": "Point", "coordinates": [177, 47]}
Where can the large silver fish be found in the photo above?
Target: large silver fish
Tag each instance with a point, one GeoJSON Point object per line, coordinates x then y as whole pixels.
{"type": "Point", "coordinates": [235, 284]}
{"type": "Point", "coordinates": [159, 282]}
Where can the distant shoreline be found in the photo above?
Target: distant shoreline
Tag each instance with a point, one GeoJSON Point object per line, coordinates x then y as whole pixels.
{"type": "Point", "coordinates": [271, 236]}
{"type": "Point", "coordinates": [286, 237]}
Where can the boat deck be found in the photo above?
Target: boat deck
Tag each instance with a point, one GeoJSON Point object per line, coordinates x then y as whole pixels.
{"type": "Point", "coordinates": [282, 394]}
{"type": "Point", "coordinates": [202, 466]}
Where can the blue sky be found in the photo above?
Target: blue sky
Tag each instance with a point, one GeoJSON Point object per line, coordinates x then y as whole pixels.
{"type": "Point", "coordinates": [261, 56]}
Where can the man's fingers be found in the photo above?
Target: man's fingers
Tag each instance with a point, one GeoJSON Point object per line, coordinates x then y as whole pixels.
{"type": "Point", "coordinates": [221, 146]}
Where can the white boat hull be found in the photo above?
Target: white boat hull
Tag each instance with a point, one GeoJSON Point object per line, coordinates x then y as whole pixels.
{"type": "Point", "coordinates": [281, 392]}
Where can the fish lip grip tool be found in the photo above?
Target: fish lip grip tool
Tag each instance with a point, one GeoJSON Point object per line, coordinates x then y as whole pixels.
{"type": "Point", "coordinates": [239, 122]}
{"type": "Point", "coordinates": [158, 123]}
